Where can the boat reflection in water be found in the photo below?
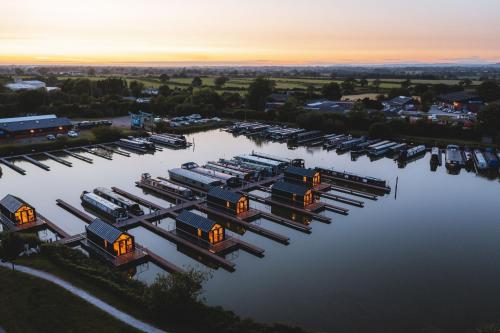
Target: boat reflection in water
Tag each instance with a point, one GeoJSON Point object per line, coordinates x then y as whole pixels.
{"type": "Point", "coordinates": [290, 214]}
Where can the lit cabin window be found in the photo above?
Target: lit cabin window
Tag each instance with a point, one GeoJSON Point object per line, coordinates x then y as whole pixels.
{"type": "Point", "coordinates": [228, 205]}
{"type": "Point", "coordinates": [304, 179]}
{"type": "Point", "coordinates": [199, 232]}
{"type": "Point", "coordinates": [294, 197]}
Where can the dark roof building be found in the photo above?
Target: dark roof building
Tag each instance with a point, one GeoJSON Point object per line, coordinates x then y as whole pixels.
{"type": "Point", "coordinates": [228, 201]}
{"type": "Point", "coordinates": [16, 210]}
{"type": "Point", "coordinates": [291, 193]}
{"type": "Point", "coordinates": [330, 106]}
{"type": "Point", "coordinates": [109, 238]}
{"type": "Point", "coordinates": [309, 177]}
{"type": "Point", "coordinates": [462, 100]}
{"type": "Point", "coordinates": [194, 225]}
{"type": "Point", "coordinates": [33, 126]}
{"type": "Point", "coordinates": [401, 101]}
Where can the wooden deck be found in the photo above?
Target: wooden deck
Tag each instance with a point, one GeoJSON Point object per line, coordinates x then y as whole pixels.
{"type": "Point", "coordinates": [58, 159]}
{"type": "Point", "coordinates": [78, 156]}
{"type": "Point", "coordinates": [37, 163]}
{"type": "Point", "coordinates": [339, 198]}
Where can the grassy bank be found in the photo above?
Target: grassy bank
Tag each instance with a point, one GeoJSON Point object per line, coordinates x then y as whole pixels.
{"type": "Point", "coordinates": [33, 305]}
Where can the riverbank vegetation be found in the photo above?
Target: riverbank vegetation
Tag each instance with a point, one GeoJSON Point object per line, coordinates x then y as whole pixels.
{"type": "Point", "coordinates": [171, 302]}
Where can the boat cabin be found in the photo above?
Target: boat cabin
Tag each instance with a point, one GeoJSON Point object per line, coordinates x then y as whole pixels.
{"type": "Point", "coordinates": [199, 227]}
{"type": "Point", "coordinates": [109, 238]}
{"type": "Point", "coordinates": [227, 201]}
{"type": "Point", "coordinates": [293, 194]}
{"type": "Point", "coordinates": [16, 210]}
{"type": "Point", "coordinates": [309, 177]}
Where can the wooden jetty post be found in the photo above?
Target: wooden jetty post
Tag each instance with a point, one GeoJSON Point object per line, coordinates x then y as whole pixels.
{"type": "Point", "coordinates": [116, 151]}
{"type": "Point", "coordinates": [93, 152]}
{"type": "Point", "coordinates": [13, 166]}
{"type": "Point", "coordinates": [37, 163]}
{"type": "Point", "coordinates": [58, 159]}
{"type": "Point", "coordinates": [78, 156]}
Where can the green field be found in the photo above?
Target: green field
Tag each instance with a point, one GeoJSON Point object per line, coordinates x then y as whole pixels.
{"type": "Point", "coordinates": [33, 305]}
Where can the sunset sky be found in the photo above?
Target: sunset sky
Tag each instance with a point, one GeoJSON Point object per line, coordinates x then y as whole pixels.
{"type": "Point", "coordinates": [291, 32]}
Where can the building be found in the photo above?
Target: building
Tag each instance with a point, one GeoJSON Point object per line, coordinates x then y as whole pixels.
{"type": "Point", "coordinates": [11, 128]}
{"type": "Point", "coordinates": [462, 101]}
{"type": "Point", "coordinates": [293, 194]}
{"type": "Point", "coordinates": [402, 102]}
{"type": "Point", "coordinates": [17, 211]}
{"type": "Point", "coordinates": [227, 201]}
{"type": "Point", "coordinates": [308, 177]}
{"type": "Point", "coordinates": [197, 226]}
{"type": "Point", "coordinates": [341, 107]}
{"type": "Point", "coordinates": [109, 238]}
{"type": "Point", "coordinates": [26, 85]}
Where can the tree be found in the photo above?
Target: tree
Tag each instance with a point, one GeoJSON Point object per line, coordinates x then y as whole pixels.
{"type": "Point", "coordinates": [489, 119]}
{"type": "Point", "coordinates": [489, 91]}
{"type": "Point", "coordinates": [12, 244]}
{"type": "Point", "coordinates": [376, 84]}
{"type": "Point", "coordinates": [220, 82]}
{"type": "Point", "coordinates": [363, 82]}
{"type": "Point", "coordinates": [331, 91]}
{"type": "Point", "coordinates": [91, 71]}
{"type": "Point", "coordinates": [466, 83]}
{"type": "Point", "coordinates": [197, 82]}
{"type": "Point", "coordinates": [380, 130]}
{"type": "Point", "coordinates": [164, 90]}
{"type": "Point", "coordinates": [348, 86]}
{"type": "Point", "coordinates": [136, 88]}
{"type": "Point", "coordinates": [406, 84]}
{"type": "Point", "coordinates": [426, 100]}
{"type": "Point", "coordinates": [420, 89]}
{"type": "Point", "coordinates": [258, 92]}
{"type": "Point", "coordinates": [164, 78]}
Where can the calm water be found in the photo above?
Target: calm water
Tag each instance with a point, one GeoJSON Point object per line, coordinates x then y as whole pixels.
{"type": "Point", "coordinates": [428, 261]}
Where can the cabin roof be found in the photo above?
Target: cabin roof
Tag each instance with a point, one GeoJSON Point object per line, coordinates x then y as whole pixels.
{"type": "Point", "coordinates": [195, 220]}
{"type": "Point", "coordinates": [223, 194]}
{"type": "Point", "coordinates": [25, 125]}
{"type": "Point", "coordinates": [290, 188]}
{"type": "Point", "coordinates": [12, 203]}
{"type": "Point", "coordinates": [104, 230]}
{"type": "Point", "coordinates": [204, 179]}
{"type": "Point", "coordinates": [300, 171]}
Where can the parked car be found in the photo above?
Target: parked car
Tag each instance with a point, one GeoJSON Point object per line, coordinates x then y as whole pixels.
{"type": "Point", "coordinates": [73, 134]}
{"type": "Point", "coordinates": [51, 137]}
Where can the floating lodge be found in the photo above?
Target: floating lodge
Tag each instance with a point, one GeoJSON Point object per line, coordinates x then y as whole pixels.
{"type": "Point", "coordinates": [197, 226]}
{"type": "Point", "coordinates": [16, 211]}
{"type": "Point", "coordinates": [375, 183]}
{"type": "Point", "coordinates": [169, 140]}
{"type": "Point", "coordinates": [227, 201]}
{"type": "Point", "coordinates": [308, 177]}
{"type": "Point", "coordinates": [109, 238]}
{"type": "Point", "coordinates": [293, 194]}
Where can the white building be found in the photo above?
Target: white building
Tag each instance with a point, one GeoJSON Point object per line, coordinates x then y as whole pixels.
{"type": "Point", "coordinates": [26, 85]}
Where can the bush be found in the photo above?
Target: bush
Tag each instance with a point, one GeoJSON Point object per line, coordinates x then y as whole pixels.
{"type": "Point", "coordinates": [380, 130]}
{"type": "Point", "coordinates": [104, 134]}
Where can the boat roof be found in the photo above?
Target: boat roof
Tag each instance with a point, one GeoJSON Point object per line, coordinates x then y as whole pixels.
{"type": "Point", "coordinates": [104, 230]}
{"type": "Point", "coordinates": [260, 160]}
{"type": "Point", "coordinates": [195, 176]}
{"type": "Point", "coordinates": [102, 201]}
{"type": "Point", "coordinates": [195, 220]}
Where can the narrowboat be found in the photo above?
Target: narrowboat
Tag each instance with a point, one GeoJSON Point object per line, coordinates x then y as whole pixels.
{"type": "Point", "coordinates": [194, 179]}
{"type": "Point", "coordinates": [227, 201]}
{"type": "Point", "coordinates": [453, 157]}
{"type": "Point", "coordinates": [362, 146]}
{"type": "Point", "coordinates": [292, 194]}
{"type": "Point", "coordinates": [261, 169]}
{"type": "Point", "coordinates": [381, 149]}
{"type": "Point", "coordinates": [308, 177]}
{"type": "Point", "coordinates": [305, 137]}
{"type": "Point", "coordinates": [195, 226]}
{"type": "Point", "coordinates": [412, 152]}
{"type": "Point", "coordinates": [248, 172]}
{"type": "Point", "coordinates": [130, 206]}
{"type": "Point", "coordinates": [436, 156]}
{"type": "Point", "coordinates": [397, 149]}
{"type": "Point", "coordinates": [469, 159]}
{"type": "Point", "coordinates": [492, 160]}
{"type": "Point", "coordinates": [227, 179]}
{"type": "Point", "coordinates": [276, 166]}
{"type": "Point", "coordinates": [165, 185]}
{"type": "Point", "coordinates": [109, 238]}
{"type": "Point", "coordinates": [103, 206]}
{"type": "Point", "coordinates": [167, 140]}
{"type": "Point", "coordinates": [271, 157]}
{"type": "Point", "coordinates": [16, 211]}
{"type": "Point", "coordinates": [375, 183]}
{"type": "Point", "coordinates": [244, 176]}
{"type": "Point", "coordinates": [480, 161]}
{"type": "Point", "coordinates": [350, 144]}
{"type": "Point", "coordinates": [136, 144]}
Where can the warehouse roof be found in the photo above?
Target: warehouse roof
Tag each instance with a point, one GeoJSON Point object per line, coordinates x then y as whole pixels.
{"type": "Point", "coordinates": [26, 125]}
{"type": "Point", "coordinates": [290, 188]}
{"type": "Point", "coordinates": [104, 230]}
{"type": "Point", "coordinates": [224, 195]}
{"type": "Point", "coordinates": [195, 220]}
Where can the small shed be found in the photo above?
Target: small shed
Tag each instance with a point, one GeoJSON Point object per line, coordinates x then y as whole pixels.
{"type": "Point", "coordinates": [228, 201]}
{"type": "Point", "coordinates": [309, 177]}
{"type": "Point", "coordinates": [17, 210]}
{"type": "Point", "coordinates": [293, 194]}
{"type": "Point", "coordinates": [110, 238]}
{"type": "Point", "coordinates": [200, 227]}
